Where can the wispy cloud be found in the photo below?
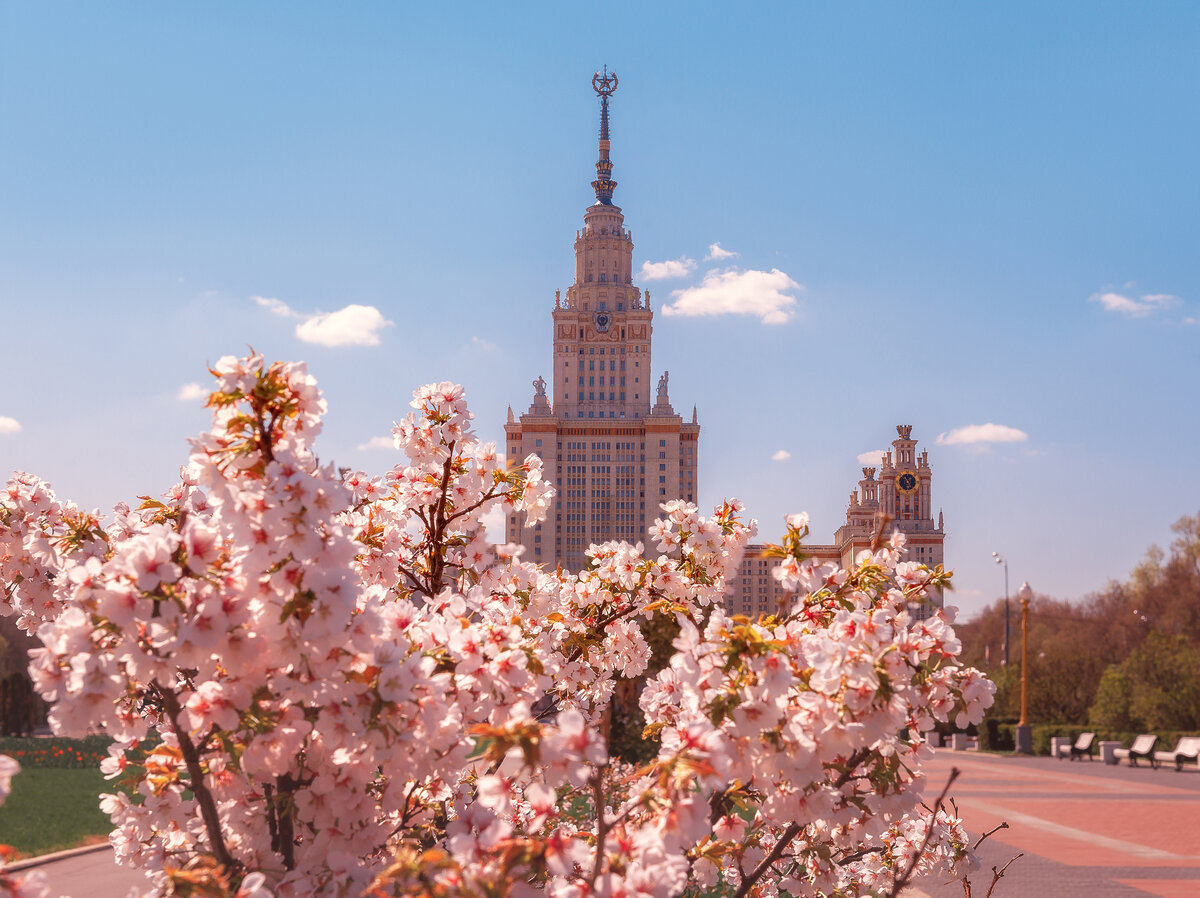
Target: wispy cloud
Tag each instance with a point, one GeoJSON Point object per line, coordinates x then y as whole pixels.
{"type": "Point", "coordinates": [482, 344]}
{"type": "Point", "coordinates": [354, 325]}
{"type": "Point", "coordinates": [781, 455]}
{"type": "Point", "coordinates": [9, 425]}
{"type": "Point", "coordinates": [975, 434]}
{"type": "Point", "coordinates": [871, 457]}
{"type": "Point", "coordinates": [376, 443]}
{"type": "Point", "coordinates": [1135, 307]}
{"type": "Point", "coordinates": [670, 269]}
{"type": "Point", "coordinates": [277, 306]}
{"type": "Point", "coordinates": [191, 392]}
{"type": "Point", "coordinates": [763, 294]}
{"type": "Point", "coordinates": [716, 254]}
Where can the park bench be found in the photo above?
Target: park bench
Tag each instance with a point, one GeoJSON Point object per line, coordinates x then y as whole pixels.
{"type": "Point", "coordinates": [1084, 745]}
{"type": "Point", "coordinates": [1187, 749]}
{"type": "Point", "coordinates": [1143, 747]}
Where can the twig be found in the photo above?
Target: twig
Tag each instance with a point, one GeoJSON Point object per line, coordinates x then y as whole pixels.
{"type": "Point", "coordinates": [902, 880]}
{"type": "Point", "coordinates": [988, 833]}
{"type": "Point", "coordinates": [997, 875]}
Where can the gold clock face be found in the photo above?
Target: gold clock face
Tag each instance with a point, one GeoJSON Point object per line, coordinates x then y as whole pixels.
{"type": "Point", "coordinates": [906, 482]}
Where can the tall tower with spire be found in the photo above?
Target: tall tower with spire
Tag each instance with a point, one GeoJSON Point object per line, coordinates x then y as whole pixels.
{"type": "Point", "coordinates": [610, 437]}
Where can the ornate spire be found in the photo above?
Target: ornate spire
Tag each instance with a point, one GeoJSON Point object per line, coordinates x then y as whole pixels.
{"type": "Point", "coordinates": [605, 85]}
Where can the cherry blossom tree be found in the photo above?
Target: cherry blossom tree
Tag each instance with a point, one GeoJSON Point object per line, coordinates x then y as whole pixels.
{"type": "Point", "coordinates": [324, 682]}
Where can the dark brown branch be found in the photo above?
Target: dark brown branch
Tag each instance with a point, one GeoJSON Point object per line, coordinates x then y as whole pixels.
{"type": "Point", "coordinates": [794, 829]}
{"type": "Point", "coordinates": [601, 824]}
{"type": "Point", "coordinates": [286, 816]}
{"type": "Point", "coordinates": [996, 829]}
{"type": "Point", "coordinates": [998, 875]}
{"type": "Point", "coordinates": [191, 757]}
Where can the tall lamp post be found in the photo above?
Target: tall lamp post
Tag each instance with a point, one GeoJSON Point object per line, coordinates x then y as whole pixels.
{"type": "Point", "coordinates": [1000, 559]}
{"type": "Point", "coordinates": [1024, 731]}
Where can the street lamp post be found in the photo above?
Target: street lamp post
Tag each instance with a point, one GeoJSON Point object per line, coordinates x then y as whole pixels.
{"type": "Point", "coordinates": [1000, 559]}
{"type": "Point", "coordinates": [1024, 731]}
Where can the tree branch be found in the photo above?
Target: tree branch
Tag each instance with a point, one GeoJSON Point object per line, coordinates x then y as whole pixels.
{"type": "Point", "coordinates": [902, 880]}
{"type": "Point", "coordinates": [204, 798]}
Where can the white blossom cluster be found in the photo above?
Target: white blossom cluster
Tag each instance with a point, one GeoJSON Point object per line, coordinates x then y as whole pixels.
{"type": "Point", "coordinates": [325, 683]}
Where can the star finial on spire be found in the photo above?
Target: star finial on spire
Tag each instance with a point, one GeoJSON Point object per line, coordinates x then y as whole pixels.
{"type": "Point", "coordinates": [604, 83]}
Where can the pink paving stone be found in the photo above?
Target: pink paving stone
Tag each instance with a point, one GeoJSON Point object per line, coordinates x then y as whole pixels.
{"type": "Point", "coordinates": [1123, 823]}
{"type": "Point", "coordinates": [1164, 888]}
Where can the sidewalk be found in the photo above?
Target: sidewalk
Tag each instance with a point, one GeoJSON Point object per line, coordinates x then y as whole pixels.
{"type": "Point", "coordinates": [85, 873]}
{"type": "Point", "coordinates": [1086, 829]}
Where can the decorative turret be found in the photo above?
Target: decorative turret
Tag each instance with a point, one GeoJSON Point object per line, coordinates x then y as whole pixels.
{"type": "Point", "coordinates": [605, 85]}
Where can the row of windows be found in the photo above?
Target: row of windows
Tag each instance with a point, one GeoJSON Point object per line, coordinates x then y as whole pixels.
{"type": "Point", "coordinates": [592, 398]}
{"type": "Point", "coordinates": [616, 280]}
{"type": "Point", "coordinates": [613, 350]}
{"type": "Point", "coordinates": [612, 381]}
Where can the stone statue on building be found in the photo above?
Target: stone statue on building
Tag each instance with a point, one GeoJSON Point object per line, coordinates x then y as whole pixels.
{"type": "Point", "coordinates": [662, 386]}
{"type": "Point", "coordinates": [539, 386]}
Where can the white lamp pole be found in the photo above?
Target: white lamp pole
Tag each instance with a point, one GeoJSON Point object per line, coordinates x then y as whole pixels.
{"type": "Point", "coordinates": [1000, 559]}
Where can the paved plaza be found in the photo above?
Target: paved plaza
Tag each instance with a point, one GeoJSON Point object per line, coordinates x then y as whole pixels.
{"type": "Point", "coordinates": [1085, 828]}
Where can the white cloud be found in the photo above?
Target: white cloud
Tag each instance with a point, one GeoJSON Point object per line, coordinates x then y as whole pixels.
{"type": "Point", "coordinates": [672, 268]}
{"type": "Point", "coordinates": [354, 325]}
{"type": "Point", "coordinates": [485, 345]}
{"type": "Point", "coordinates": [1131, 307]}
{"type": "Point", "coordinates": [1190, 320]}
{"type": "Point", "coordinates": [715, 253]}
{"type": "Point", "coordinates": [277, 306]}
{"type": "Point", "coordinates": [9, 425]}
{"type": "Point", "coordinates": [871, 457]}
{"type": "Point", "coordinates": [973, 434]}
{"type": "Point", "coordinates": [781, 455]}
{"type": "Point", "coordinates": [376, 443]}
{"type": "Point", "coordinates": [191, 392]}
{"type": "Point", "coordinates": [494, 520]}
{"type": "Point", "coordinates": [759, 293]}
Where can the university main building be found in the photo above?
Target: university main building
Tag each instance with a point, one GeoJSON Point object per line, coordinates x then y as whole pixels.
{"type": "Point", "coordinates": [613, 444]}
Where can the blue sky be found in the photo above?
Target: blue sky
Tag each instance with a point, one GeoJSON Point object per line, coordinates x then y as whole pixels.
{"type": "Point", "coordinates": [990, 216]}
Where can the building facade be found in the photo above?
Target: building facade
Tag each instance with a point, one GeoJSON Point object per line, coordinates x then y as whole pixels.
{"type": "Point", "coordinates": [608, 435]}
{"type": "Point", "coordinates": [900, 498]}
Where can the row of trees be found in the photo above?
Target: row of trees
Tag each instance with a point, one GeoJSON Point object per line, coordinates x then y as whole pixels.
{"type": "Point", "coordinates": [1126, 658]}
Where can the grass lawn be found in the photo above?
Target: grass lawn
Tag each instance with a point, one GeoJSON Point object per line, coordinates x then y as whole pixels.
{"type": "Point", "coordinates": [52, 809]}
